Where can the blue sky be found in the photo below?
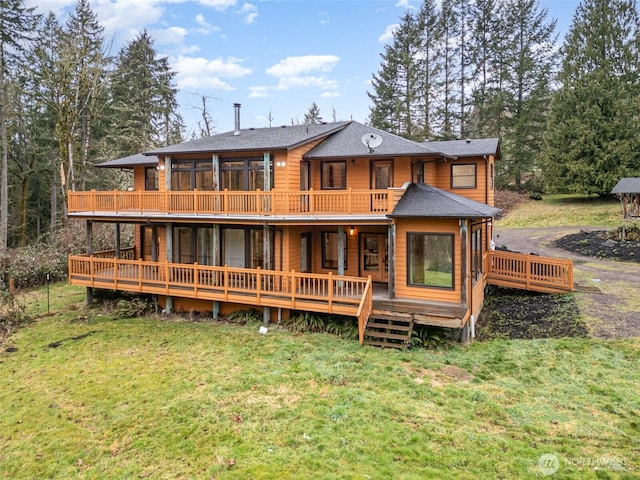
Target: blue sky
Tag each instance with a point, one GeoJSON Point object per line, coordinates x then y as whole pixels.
{"type": "Point", "coordinates": [273, 57]}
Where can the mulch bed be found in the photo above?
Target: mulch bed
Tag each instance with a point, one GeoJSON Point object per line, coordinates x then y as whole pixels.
{"type": "Point", "coordinates": [601, 244]}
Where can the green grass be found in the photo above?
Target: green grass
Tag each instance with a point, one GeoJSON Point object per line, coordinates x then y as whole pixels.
{"type": "Point", "coordinates": [565, 210]}
{"type": "Point", "coordinates": [167, 399]}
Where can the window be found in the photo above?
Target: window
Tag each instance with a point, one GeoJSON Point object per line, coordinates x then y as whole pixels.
{"type": "Point", "coordinates": [193, 244]}
{"type": "Point", "coordinates": [243, 174]}
{"type": "Point", "coordinates": [476, 254]}
{"type": "Point", "coordinates": [417, 172]}
{"type": "Point", "coordinates": [150, 178]}
{"type": "Point", "coordinates": [243, 247]}
{"type": "Point", "coordinates": [430, 259]}
{"type": "Point", "coordinates": [334, 175]}
{"type": "Point", "coordinates": [381, 174]}
{"type": "Point", "coordinates": [330, 250]}
{"type": "Point", "coordinates": [188, 175]}
{"type": "Point", "coordinates": [463, 176]}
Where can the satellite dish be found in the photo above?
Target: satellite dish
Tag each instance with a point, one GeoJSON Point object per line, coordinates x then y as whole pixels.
{"type": "Point", "coordinates": [371, 140]}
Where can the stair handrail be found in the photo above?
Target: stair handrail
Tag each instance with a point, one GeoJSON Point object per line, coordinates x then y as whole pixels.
{"type": "Point", "coordinates": [364, 309]}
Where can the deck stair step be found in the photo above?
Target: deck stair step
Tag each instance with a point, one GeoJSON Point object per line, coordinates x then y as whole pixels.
{"type": "Point", "coordinates": [389, 331]}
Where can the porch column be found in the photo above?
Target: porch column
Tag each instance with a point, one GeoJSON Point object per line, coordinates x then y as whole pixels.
{"type": "Point", "coordinates": [341, 245]}
{"type": "Point", "coordinates": [267, 171]}
{"type": "Point", "coordinates": [216, 259]}
{"type": "Point", "coordinates": [117, 235]}
{"type": "Point", "coordinates": [267, 265]}
{"type": "Point", "coordinates": [169, 237]}
{"type": "Point", "coordinates": [167, 173]}
{"type": "Point", "coordinates": [391, 259]}
{"type": "Point", "coordinates": [89, 229]}
{"type": "Point", "coordinates": [215, 165]}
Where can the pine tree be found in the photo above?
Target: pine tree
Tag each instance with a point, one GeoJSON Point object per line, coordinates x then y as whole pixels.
{"type": "Point", "coordinates": [143, 99]}
{"type": "Point", "coordinates": [593, 137]}
{"type": "Point", "coordinates": [313, 115]}
{"type": "Point", "coordinates": [529, 63]}
{"type": "Point", "coordinates": [17, 24]}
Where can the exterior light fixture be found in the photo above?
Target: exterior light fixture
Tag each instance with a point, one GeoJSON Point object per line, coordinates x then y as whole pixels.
{"type": "Point", "coordinates": [352, 230]}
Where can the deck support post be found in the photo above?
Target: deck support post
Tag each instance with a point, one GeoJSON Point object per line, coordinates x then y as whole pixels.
{"type": "Point", "coordinates": [89, 229]}
{"type": "Point", "coordinates": [465, 333]}
{"type": "Point", "coordinates": [167, 174]}
{"type": "Point", "coordinates": [267, 171]}
{"type": "Point", "coordinates": [215, 309]}
{"type": "Point", "coordinates": [169, 238]}
{"type": "Point", "coordinates": [215, 256]}
{"type": "Point", "coordinates": [215, 164]}
{"type": "Point", "coordinates": [391, 260]}
{"type": "Point", "coordinates": [266, 316]}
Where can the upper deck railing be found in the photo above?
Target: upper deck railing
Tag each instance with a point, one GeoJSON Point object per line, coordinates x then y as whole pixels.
{"type": "Point", "coordinates": [307, 202]}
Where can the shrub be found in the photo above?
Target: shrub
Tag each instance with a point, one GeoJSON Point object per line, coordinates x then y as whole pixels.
{"type": "Point", "coordinates": [342, 326]}
{"type": "Point", "coordinates": [244, 317]}
{"type": "Point", "coordinates": [305, 322]}
{"type": "Point", "coordinates": [12, 315]}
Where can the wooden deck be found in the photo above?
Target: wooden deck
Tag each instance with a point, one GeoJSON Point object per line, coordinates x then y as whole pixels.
{"type": "Point", "coordinates": [529, 272]}
{"type": "Point", "coordinates": [226, 202]}
{"type": "Point", "coordinates": [263, 288]}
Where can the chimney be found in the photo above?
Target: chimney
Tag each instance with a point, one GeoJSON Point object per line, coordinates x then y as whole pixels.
{"type": "Point", "coordinates": [236, 108]}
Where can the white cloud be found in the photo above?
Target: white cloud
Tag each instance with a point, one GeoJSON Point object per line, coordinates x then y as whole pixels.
{"type": "Point", "coordinates": [330, 94]}
{"type": "Point", "coordinates": [259, 92]}
{"type": "Point", "coordinates": [322, 82]}
{"type": "Point", "coordinates": [127, 17]}
{"type": "Point", "coordinates": [220, 5]}
{"type": "Point", "coordinates": [250, 13]}
{"type": "Point", "coordinates": [199, 72]}
{"type": "Point", "coordinates": [205, 27]}
{"type": "Point", "coordinates": [388, 33]}
{"type": "Point", "coordinates": [292, 66]}
{"type": "Point", "coordinates": [46, 6]}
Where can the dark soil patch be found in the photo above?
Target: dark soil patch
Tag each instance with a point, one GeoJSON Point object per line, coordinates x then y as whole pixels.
{"type": "Point", "coordinates": [512, 314]}
{"type": "Point", "coordinates": [602, 244]}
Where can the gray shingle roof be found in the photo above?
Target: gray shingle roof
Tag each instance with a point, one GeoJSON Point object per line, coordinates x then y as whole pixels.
{"type": "Point", "coordinates": [466, 148]}
{"type": "Point", "coordinates": [131, 161]}
{"type": "Point", "coordinates": [274, 138]}
{"type": "Point", "coordinates": [421, 200]}
{"type": "Point", "coordinates": [348, 143]}
{"type": "Point", "coordinates": [627, 185]}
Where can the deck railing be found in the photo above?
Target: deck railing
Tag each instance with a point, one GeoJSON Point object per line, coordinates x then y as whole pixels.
{"type": "Point", "coordinates": [307, 202]}
{"type": "Point", "coordinates": [292, 290]}
{"type": "Point", "coordinates": [364, 310]}
{"type": "Point", "coordinates": [530, 272]}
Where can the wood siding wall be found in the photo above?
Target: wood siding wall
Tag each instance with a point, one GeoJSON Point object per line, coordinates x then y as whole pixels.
{"type": "Point", "coordinates": [403, 290]}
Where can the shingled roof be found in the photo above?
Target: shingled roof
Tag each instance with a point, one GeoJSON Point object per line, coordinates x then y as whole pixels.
{"type": "Point", "coordinates": [252, 139]}
{"type": "Point", "coordinates": [131, 161]}
{"type": "Point", "coordinates": [627, 185]}
{"type": "Point", "coordinates": [348, 143]}
{"type": "Point", "coordinates": [475, 147]}
{"type": "Point", "coordinates": [421, 200]}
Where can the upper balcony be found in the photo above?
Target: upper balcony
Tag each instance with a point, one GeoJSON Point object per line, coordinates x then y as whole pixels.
{"type": "Point", "coordinates": [243, 203]}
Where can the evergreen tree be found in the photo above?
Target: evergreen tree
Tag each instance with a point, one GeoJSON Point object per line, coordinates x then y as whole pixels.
{"type": "Point", "coordinates": [448, 108]}
{"type": "Point", "coordinates": [17, 24]}
{"type": "Point", "coordinates": [529, 63]}
{"type": "Point", "coordinates": [143, 100]}
{"type": "Point", "coordinates": [593, 137]}
{"type": "Point", "coordinates": [313, 115]}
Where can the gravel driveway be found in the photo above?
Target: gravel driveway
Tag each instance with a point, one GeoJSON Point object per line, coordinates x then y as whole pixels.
{"type": "Point", "coordinates": [608, 292]}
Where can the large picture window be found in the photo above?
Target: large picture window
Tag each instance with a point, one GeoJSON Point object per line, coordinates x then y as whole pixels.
{"type": "Point", "coordinates": [243, 247]}
{"type": "Point", "coordinates": [330, 250]}
{"type": "Point", "coordinates": [188, 175]}
{"type": "Point", "coordinates": [193, 244]}
{"type": "Point", "coordinates": [243, 174]}
{"type": "Point", "coordinates": [334, 175]}
{"type": "Point", "coordinates": [463, 176]}
{"type": "Point", "coordinates": [430, 259]}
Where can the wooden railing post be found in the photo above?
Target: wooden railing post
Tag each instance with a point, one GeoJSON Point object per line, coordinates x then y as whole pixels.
{"type": "Point", "coordinates": [196, 274]}
{"type": "Point", "coordinates": [330, 292]}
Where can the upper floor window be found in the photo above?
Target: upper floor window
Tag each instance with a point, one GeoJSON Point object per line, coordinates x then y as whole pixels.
{"type": "Point", "coordinates": [245, 174]}
{"type": "Point", "coordinates": [430, 260]}
{"type": "Point", "coordinates": [150, 178]}
{"type": "Point", "coordinates": [334, 175]}
{"type": "Point", "coordinates": [191, 175]}
{"type": "Point", "coordinates": [381, 174]}
{"type": "Point", "coordinates": [463, 176]}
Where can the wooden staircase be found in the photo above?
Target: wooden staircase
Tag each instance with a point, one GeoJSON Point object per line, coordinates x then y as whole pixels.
{"type": "Point", "coordinates": [388, 330]}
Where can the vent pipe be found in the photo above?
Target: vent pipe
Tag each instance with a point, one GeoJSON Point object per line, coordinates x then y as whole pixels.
{"type": "Point", "coordinates": [236, 108]}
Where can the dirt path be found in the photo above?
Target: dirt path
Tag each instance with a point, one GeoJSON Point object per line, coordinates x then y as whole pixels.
{"type": "Point", "coordinates": [612, 313]}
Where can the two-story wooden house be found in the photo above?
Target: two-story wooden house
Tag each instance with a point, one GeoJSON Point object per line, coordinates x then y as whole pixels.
{"type": "Point", "coordinates": [333, 218]}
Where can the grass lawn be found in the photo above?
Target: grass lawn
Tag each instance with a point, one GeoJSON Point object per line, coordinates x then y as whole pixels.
{"type": "Point", "coordinates": [168, 399]}
{"type": "Point", "coordinates": [565, 210]}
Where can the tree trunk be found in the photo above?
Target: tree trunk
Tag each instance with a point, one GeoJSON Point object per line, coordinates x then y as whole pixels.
{"type": "Point", "coordinates": [4, 196]}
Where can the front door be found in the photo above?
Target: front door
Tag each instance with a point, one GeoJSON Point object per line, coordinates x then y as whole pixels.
{"type": "Point", "coordinates": [373, 256]}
